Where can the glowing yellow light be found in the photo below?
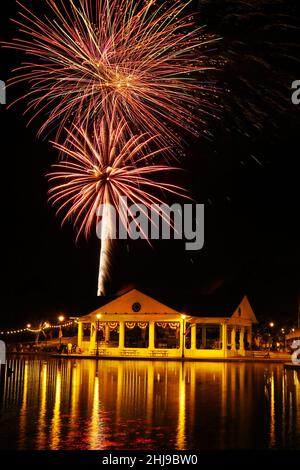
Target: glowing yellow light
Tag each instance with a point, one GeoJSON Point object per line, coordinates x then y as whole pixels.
{"type": "Point", "coordinates": [46, 325]}
{"type": "Point", "coordinates": [271, 324]}
{"type": "Point", "coordinates": [98, 316]}
{"type": "Point", "coordinates": [28, 325]}
{"type": "Point", "coordinates": [183, 317]}
{"type": "Point", "coordinates": [61, 318]}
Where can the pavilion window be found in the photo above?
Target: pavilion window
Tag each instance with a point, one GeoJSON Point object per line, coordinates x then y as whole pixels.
{"type": "Point", "coordinates": [136, 335]}
{"type": "Point", "coordinates": [114, 333]}
{"type": "Point", "coordinates": [237, 339]}
{"type": "Point", "coordinates": [167, 335]}
{"type": "Point", "coordinates": [108, 334]}
{"type": "Point", "coordinates": [247, 344]}
{"type": "Point", "coordinates": [229, 338]}
{"type": "Point", "coordinates": [86, 331]}
{"type": "Point", "coordinates": [208, 336]}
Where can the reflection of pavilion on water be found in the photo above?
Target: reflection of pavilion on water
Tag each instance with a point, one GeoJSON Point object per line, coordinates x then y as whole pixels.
{"type": "Point", "coordinates": [100, 404]}
{"type": "Point", "coordinates": [136, 325]}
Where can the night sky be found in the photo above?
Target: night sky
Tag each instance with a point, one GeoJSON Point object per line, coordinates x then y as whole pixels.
{"type": "Point", "coordinates": [246, 173]}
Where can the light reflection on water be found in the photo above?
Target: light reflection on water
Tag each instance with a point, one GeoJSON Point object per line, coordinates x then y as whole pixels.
{"type": "Point", "coordinates": [84, 404]}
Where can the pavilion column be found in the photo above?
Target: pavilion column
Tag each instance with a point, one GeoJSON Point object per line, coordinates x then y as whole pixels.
{"type": "Point", "coordinates": [122, 335]}
{"type": "Point", "coordinates": [93, 335]}
{"type": "Point", "coordinates": [233, 337]}
{"type": "Point", "coordinates": [151, 335]}
{"type": "Point", "coordinates": [193, 337]}
{"type": "Point", "coordinates": [79, 334]}
{"type": "Point", "coordinates": [224, 339]}
{"type": "Point", "coordinates": [242, 336]}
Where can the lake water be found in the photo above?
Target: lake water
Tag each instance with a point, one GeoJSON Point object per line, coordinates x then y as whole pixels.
{"type": "Point", "coordinates": [84, 404]}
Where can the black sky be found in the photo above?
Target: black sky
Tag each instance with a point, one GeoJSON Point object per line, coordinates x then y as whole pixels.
{"type": "Point", "coordinates": [247, 174]}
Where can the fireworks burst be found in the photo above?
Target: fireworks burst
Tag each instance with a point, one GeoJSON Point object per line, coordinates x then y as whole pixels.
{"type": "Point", "coordinates": [99, 171]}
{"type": "Point", "coordinates": [142, 57]}
{"type": "Point", "coordinates": [119, 81]}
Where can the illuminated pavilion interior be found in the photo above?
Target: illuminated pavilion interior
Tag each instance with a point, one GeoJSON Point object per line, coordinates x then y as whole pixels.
{"type": "Point", "coordinates": [136, 325]}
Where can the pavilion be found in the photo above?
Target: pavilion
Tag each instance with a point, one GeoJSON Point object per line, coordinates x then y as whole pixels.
{"type": "Point", "coordinates": [137, 325]}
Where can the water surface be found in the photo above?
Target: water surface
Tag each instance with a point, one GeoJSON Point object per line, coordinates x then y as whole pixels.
{"type": "Point", "coordinates": [84, 404]}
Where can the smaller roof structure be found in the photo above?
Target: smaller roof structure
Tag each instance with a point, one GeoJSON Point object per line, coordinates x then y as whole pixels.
{"type": "Point", "coordinates": [294, 334]}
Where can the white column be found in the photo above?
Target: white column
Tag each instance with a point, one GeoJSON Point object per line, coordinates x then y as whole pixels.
{"type": "Point", "coordinates": [193, 337]}
{"type": "Point", "coordinates": [79, 334]}
{"type": "Point", "coordinates": [224, 339]}
{"type": "Point", "coordinates": [122, 335]}
{"type": "Point", "coordinates": [93, 336]}
{"type": "Point", "coordinates": [151, 335]}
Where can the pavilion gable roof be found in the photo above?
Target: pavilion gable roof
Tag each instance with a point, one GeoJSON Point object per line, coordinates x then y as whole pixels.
{"type": "Point", "coordinates": [126, 303]}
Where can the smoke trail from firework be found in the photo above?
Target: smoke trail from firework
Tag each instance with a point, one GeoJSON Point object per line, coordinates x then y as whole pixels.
{"type": "Point", "coordinates": [105, 251]}
{"type": "Point", "coordinates": [137, 55]}
{"type": "Point", "coordinates": [99, 171]}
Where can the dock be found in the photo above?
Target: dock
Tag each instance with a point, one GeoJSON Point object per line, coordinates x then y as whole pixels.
{"type": "Point", "coordinates": [291, 365]}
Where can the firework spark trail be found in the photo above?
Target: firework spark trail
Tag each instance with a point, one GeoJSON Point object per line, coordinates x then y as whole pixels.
{"type": "Point", "coordinates": [99, 170]}
{"type": "Point", "coordinates": [143, 57]}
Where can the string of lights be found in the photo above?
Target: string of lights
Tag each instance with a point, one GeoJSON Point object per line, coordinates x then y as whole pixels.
{"type": "Point", "coordinates": [45, 326]}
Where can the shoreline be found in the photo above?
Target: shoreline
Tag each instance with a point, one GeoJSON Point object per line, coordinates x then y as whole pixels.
{"type": "Point", "coordinates": [170, 359]}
